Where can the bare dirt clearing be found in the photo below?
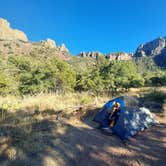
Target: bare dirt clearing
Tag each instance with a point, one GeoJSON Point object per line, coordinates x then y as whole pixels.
{"type": "Point", "coordinates": [76, 141]}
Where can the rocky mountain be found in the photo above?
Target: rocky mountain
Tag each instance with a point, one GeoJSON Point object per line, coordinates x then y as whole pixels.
{"type": "Point", "coordinates": [155, 49]}
{"type": "Point", "coordinates": [16, 42]}
{"type": "Point", "coordinates": [152, 48]}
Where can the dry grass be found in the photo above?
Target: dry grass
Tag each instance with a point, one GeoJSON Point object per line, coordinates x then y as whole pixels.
{"type": "Point", "coordinates": [145, 89]}
{"type": "Point", "coordinates": [21, 126]}
{"type": "Point", "coordinates": [54, 102]}
{"type": "Point", "coordinates": [35, 139]}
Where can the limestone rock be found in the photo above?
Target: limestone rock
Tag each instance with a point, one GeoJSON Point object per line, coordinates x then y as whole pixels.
{"type": "Point", "coordinates": [7, 33]}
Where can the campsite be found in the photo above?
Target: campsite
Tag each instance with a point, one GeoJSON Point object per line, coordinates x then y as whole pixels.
{"type": "Point", "coordinates": [66, 137]}
{"type": "Point", "coordinates": [83, 83]}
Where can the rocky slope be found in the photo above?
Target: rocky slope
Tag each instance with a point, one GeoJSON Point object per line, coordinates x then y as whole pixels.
{"type": "Point", "coordinates": [16, 42]}
{"type": "Point", "coordinates": [155, 49]}
{"type": "Point", "coordinates": [7, 33]}
{"type": "Point", "coordinates": [151, 48]}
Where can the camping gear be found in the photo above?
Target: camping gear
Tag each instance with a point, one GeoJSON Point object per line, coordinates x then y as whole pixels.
{"type": "Point", "coordinates": [131, 120]}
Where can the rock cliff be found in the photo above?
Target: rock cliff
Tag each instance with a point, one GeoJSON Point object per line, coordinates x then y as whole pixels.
{"type": "Point", "coordinates": [7, 33]}
{"type": "Point", "coordinates": [155, 49]}
{"type": "Point", "coordinates": [151, 48]}
{"type": "Point", "coordinates": [16, 42]}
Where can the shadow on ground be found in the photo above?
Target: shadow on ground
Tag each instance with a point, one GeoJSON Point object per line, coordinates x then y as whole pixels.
{"type": "Point", "coordinates": [28, 140]}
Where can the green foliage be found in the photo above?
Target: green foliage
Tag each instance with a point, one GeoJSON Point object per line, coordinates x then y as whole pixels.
{"type": "Point", "coordinates": [3, 84]}
{"type": "Point", "coordinates": [32, 75]}
{"type": "Point", "coordinates": [158, 80]}
{"type": "Point", "coordinates": [51, 76]}
{"type": "Point", "coordinates": [156, 96]}
{"type": "Point", "coordinates": [36, 73]}
{"type": "Point", "coordinates": [110, 77]}
{"type": "Point", "coordinates": [91, 81]}
{"type": "Point", "coordinates": [145, 64]}
{"type": "Point", "coordinates": [137, 81]}
{"type": "Point", "coordinates": [122, 74]}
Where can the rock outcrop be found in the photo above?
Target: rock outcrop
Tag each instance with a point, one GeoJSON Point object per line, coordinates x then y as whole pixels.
{"type": "Point", "coordinates": [63, 48]}
{"type": "Point", "coordinates": [16, 42]}
{"type": "Point", "coordinates": [7, 33]}
{"type": "Point", "coordinates": [111, 56]}
{"type": "Point", "coordinates": [49, 43]}
{"type": "Point", "coordinates": [160, 59]}
{"type": "Point", "coordinates": [155, 49]}
{"type": "Point", "coordinates": [94, 55]}
{"type": "Point", "coordinates": [119, 56]}
{"type": "Point", "coordinates": [152, 48]}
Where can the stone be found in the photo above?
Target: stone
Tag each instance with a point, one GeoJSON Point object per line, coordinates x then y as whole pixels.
{"type": "Point", "coordinates": [49, 43]}
{"type": "Point", "coordinates": [155, 49]}
{"type": "Point", "coordinates": [151, 48]}
{"type": "Point", "coordinates": [63, 48]}
{"type": "Point", "coordinates": [7, 33]}
{"type": "Point", "coordinates": [119, 56]}
{"type": "Point", "coordinates": [93, 55]}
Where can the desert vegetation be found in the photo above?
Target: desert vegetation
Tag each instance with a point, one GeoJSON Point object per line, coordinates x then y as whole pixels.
{"type": "Point", "coordinates": [24, 75]}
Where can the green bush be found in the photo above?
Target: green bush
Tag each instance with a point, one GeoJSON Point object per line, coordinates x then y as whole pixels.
{"type": "Point", "coordinates": [37, 73]}
{"type": "Point", "coordinates": [156, 96]}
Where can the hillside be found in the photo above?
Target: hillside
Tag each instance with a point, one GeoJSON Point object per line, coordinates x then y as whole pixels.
{"type": "Point", "coordinates": [15, 42]}
{"type": "Point", "coordinates": [155, 49]}
{"type": "Point", "coordinates": [33, 67]}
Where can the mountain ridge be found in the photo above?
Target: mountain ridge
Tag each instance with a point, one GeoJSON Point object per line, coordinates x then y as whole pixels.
{"type": "Point", "coordinates": [13, 41]}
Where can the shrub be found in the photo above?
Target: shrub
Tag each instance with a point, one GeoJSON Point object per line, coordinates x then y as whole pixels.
{"type": "Point", "coordinates": [156, 96]}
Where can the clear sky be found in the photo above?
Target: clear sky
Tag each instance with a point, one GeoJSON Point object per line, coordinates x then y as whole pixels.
{"type": "Point", "coordinates": [88, 25]}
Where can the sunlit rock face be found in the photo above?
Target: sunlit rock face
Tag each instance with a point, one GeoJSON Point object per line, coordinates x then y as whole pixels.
{"type": "Point", "coordinates": [122, 56]}
{"type": "Point", "coordinates": [7, 33]}
{"type": "Point", "coordinates": [49, 43]}
{"type": "Point", "coordinates": [119, 56]}
{"type": "Point", "coordinates": [15, 42]}
{"type": "Point", "coordinates": [155, 49]}
{"type": "Point", "coordinates": [152, 48]}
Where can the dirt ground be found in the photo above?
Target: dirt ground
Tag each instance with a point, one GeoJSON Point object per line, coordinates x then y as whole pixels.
{"type": "Point", "coordinates": [76, 141]}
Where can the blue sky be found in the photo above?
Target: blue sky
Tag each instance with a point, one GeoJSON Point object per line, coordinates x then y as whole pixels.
{"type": "Point", "coordinates": [89, 25]}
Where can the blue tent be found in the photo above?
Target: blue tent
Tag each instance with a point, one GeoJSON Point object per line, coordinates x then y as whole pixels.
{"type": "Point", "coordinates": [132, 118]}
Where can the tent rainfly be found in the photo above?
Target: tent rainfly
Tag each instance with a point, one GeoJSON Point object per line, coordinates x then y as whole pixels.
{"type": "Point", "coordinates": [131, 119]}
